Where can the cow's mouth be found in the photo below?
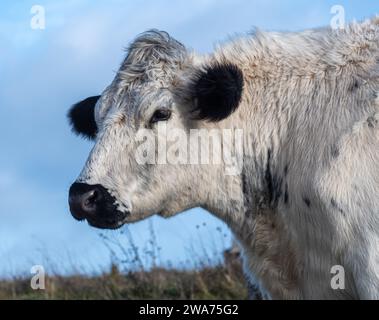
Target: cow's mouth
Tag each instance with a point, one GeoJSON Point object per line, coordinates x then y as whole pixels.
{"type": "Point", "coordinates": [95, 204]}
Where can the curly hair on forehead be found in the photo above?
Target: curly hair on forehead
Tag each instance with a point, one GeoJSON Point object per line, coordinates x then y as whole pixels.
{"type": "Point", "coordinates": [152, 50]}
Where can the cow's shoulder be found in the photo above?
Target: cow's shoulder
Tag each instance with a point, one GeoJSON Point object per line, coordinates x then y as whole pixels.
{"type": "Point", "coordinates": [348, 185]}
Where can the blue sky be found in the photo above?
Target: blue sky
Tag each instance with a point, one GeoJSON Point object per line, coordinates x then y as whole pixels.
{"type": "Point", "coordinates": [43, 72]}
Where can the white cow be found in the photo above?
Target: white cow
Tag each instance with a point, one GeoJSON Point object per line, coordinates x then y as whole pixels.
{"type": "Point", "coordinates": [306, 197]}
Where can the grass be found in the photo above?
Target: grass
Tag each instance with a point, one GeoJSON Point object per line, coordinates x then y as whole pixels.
{"type": "Point", "coordinates": [140, 274]}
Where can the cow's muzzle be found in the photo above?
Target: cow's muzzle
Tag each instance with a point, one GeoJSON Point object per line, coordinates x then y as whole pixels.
{"type": "Point", "coordinates": [95, 204]}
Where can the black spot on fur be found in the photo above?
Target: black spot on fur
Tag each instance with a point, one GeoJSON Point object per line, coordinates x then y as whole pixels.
{"type": "Point", "coordinates": [286, 194]}
{"type": "Point", "coordinates": [247, 195]}
{"type": "Point", "coordinates": [335, 151]}
{"type": "Point", "coordinates": [372, 122]}
{"type": "Point", "coordinates": [307, 201]}
{"type": "Point", "coordinates": [354, 86]}
{"type": "Point", "coordinates": [268, 175]}
{"type": "Point", "coordinates": [82, 117]}
{"type": "Point", "coordinates": [273, 182]}
{"type": "Point", "coordinates": [336, 206]}
{"type": "Point", "coordinates": [277, 188]}
{"type": "Point", "coordinates": [218, 91]}
{"type": "Point", "coordinates": [286, 170]}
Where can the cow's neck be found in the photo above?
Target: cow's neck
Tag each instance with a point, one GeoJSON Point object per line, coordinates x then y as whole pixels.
{"type": "Point", "coordinates": [258, 185]}
{"type": "Point", "coordinates": [248, 202]}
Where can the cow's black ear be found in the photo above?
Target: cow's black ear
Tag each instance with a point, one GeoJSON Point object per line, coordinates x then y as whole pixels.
{"type": "Point", "coordinates": [82, 117]}
{"type": "Point", "coordinates": [217, 91]}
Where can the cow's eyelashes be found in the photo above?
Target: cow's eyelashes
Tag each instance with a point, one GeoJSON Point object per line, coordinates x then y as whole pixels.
{"type": "Point", "coordinates": [160, 115]}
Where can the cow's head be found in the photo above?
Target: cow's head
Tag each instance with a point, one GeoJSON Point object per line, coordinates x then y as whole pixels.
{"type": "Point", "coordinates": [159, 87]}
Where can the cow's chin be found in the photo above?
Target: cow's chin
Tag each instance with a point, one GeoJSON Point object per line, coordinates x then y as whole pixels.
{"type": "Point", "coordinates": [109, 223]}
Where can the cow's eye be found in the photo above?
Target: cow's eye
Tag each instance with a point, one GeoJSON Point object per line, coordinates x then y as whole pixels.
{"type": "Point", "coordinates": [160, 115]}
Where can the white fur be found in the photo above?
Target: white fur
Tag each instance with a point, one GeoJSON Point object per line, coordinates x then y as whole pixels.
{"type": "Point", "coordinates": [311, 102]}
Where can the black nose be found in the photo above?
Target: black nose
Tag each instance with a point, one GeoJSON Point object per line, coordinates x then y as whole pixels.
{"type": "Point", "coordinates": [85, 200]}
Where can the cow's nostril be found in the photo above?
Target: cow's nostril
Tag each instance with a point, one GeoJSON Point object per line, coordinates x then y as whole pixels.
{"type": "Point", "coordinates": [90, 199]}
{"type": "Point", "coordinates": [84, 200]}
